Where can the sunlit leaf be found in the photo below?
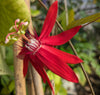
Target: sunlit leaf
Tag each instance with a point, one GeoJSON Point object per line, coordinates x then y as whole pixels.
{"type": "Point", "coordinates": [87, 68]}
{"type": "Point", "coordinates": [35, 13]}
{"type": "Point", "coordinates": [71, 15]}
{"type": "Point", "coordinates": [85, 20]}
{"type": "Point", "coordinates": [80, 75]}
{"type": "Point", "coordinates": [98, 20]}
{"type": "Point", "coordinates": [62, 91]}
{"type": "Point", "coordinates": [62, 17]}
{"type": "Point", "coordinates": [11, 86]}
{"type": "Point", "coordinates": [57, 80]}
{"type": "Point", "coordinates": [10, 10]}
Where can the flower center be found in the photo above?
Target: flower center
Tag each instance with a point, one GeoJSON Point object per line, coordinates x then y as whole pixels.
{"type": "Point", "coordinates": [33, 46]}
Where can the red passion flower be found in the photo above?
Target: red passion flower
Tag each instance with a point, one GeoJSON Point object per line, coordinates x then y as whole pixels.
{"type": "Point", "coordinates": [41, 53]}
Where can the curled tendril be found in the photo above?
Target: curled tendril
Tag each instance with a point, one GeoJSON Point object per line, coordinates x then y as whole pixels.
{"type": "Point", "coordinates": [18, 27]}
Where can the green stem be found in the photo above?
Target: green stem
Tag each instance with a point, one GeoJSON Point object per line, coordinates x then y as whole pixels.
{"type": "Point", "coordinates": [65, 3]}
{"type": "Point", "coordinates": [74, 50]}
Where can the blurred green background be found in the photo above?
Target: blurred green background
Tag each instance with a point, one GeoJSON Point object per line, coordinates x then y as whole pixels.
{"type": "Point", "coordinates": [86, 42]}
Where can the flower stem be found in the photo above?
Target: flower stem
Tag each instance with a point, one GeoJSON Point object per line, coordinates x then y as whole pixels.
{"type": "Point", "coordinates": [74, 50]}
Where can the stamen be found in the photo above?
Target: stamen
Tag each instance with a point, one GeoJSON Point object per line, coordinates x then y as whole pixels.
{"type": "Point", "coordinates": [37, 49]}
{"type": "Point", "coordinates": [16, 21]}
{"type": "Point", "coordinates": [33, 46]}
{"type": "Point", "coordinates": [6, 41]}
{"type": "Point", "coordinates": [24, 37]}
{"type": "Point", "coordinates": [22, 23]}
{"type": "Point", "coordinates": [18, 31]}
{"type": "Point", "coordinates": [25, 23]}
{"type": "Point", "coordinates": [8, 37]}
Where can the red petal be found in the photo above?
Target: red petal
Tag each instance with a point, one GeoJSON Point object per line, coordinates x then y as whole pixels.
{"type": "Point", "coordinates": [65, 57]}
{"type": "Point", "coordinates": [39, 67]}
{"type": "Point", "coordinates": [62, 37]}
{"type": "Point", "coordinates": [22, 53]}
{"type": "Point", "coordinates": [25, 65]}
{"type": "Point", "coordinates": [49, 20]}
{"type": "Point", "coordinates": [56, 65]}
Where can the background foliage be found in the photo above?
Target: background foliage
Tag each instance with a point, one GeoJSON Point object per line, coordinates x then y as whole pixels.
{"type": "Point", "coordinates": [86, 42]}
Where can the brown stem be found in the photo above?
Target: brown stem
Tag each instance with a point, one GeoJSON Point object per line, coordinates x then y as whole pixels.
{"type": "Point", "coordinates": [71, 45]}
{"type": "Point", "coordinates": [86, 75]}
{"type": "Point", "coordinates": [37, 81]}
{"type": "Point", "coordinates": [30, 83]}
{"type": "Point", "coordinates": [20, 87]}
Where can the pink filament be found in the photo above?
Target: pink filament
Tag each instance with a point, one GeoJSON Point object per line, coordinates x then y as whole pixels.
{"type": "Point", "coordinates": [9, 35]}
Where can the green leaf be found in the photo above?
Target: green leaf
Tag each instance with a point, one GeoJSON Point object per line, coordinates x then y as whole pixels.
{"type": "Point", "coordinates": [62, 17]}
{"type": "Point", "coordinates": [59, 89]}
{"type": "Point", "coordinates": [4, 91]}
{"type": "Point", "coordinates": [96, 67]}
{"type": "Point", "coordinates": [98, 70]}
{"type": "Point", "coordinates": [62, 91]}
{"type": "Point", "coordinates": [71, 15]}
{"type": "Point", "coordinates": [35, 13]}
{"type": "Point", "coordinates": [84, 20]}
{"type": "Point", "coordinates": [98, 20]}
{"type": "Point", "coordinates": [80, 75]}
{"type": "Point", "coordinates": [8, 85]}
{"type": "Point", "coordinates": [11, 86]}
{"type": "Point", "coordinates": [4, 69]}
{"type": "Point", "coordinates": [87, 68]}
{"type": "Point", "coordinates": [5, 81]}
{"type": "Point", "coordinates": [57, 80]}
{"type": "Point", "coordinates": [9, 54]}
{"type": "Point", "coordinates": [10, 10]}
